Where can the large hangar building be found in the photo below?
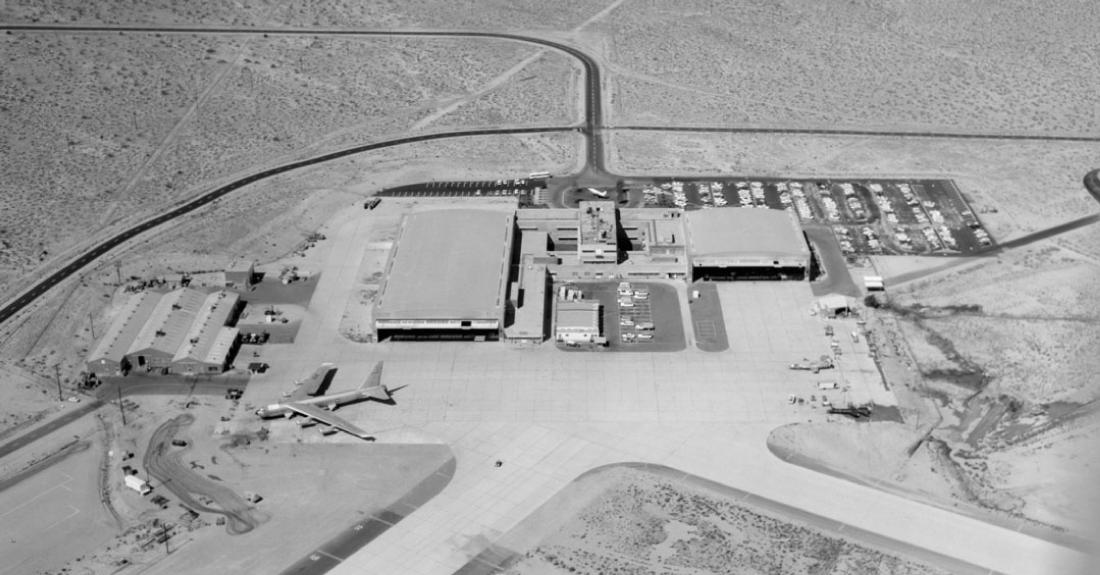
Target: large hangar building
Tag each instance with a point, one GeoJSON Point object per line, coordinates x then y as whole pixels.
{"type": "Point", "coordinates": [744, 243]}
{"type": "Point", "coordinates": [447, 276]}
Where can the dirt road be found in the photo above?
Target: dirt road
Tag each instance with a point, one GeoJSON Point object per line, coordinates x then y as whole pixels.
{"type": "Point", "coordinates": [163, 463]}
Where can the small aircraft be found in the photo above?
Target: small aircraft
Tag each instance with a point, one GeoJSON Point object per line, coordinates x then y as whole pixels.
{"type": "Point", "coordinates": [319, 409]}
{"type": "Point", "coordinates": [825, 362]}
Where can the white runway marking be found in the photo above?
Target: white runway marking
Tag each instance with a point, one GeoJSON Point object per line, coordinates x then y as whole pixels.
{"type": "Point", "coordinates": [74, 513]}
{"type": "Point", "coordinates": [33, 499]}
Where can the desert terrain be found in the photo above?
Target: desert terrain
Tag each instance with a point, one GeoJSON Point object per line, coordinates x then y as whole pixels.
{"type": "Point", "coordinates": [991, 359]}
{"type": "Point", "coordinates": [915, 66]}
{"type": "Point", "coordinates": [522, 14]}
{"type": "Point", "coordinates": [269, 223]}
{"type": "Point", "coordinates": [100, 148]}
{"type": "Point", "coordinates": [636, 520]}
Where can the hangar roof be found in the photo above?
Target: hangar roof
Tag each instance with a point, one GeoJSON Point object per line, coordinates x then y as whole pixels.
{"type": "Point", "coordinates": [126, 326]}
{"type": "Point", "coordinates": [448, 265]}
{"type": "Point", "coordinates": [739, 232]}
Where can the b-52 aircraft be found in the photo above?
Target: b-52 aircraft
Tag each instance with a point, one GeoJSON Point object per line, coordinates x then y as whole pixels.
{"type": "Point", "coordinates": [825, 362]}
{"type": "Point", "coordinates": [319, 409]}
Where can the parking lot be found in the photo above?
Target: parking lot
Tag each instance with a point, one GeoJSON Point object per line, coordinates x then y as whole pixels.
{"type": "Point", "coordinates": [646, 325]}
{"type": "Point", "coordinates": [867, 216]}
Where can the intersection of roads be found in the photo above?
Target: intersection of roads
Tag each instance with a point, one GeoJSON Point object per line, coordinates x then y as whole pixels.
{"type": "Point", "coordinates": [478, 501]}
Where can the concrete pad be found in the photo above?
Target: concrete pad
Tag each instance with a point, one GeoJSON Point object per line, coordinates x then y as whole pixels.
{"type": "Point", "coordinates": [550, 416]}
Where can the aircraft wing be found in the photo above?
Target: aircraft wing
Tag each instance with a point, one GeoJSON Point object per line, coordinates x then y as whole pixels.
{"type": "Point", "coordinates": [312, 384]}
{"type": "Point", "coordinates": [329, 418]}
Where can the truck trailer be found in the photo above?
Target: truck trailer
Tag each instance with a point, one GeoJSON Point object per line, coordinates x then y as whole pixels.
{"type": "Point", "coordinates": [137, 484]}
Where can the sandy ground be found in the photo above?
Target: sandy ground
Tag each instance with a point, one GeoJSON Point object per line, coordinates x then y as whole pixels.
{"type": "Point", "coordinates": [994, 361]}
{"type": "Point", "coordinates": [492, 14]}
{"type": "Point", "coordinates": [623, 520]}
{"type": "Point", "coordinates": [1005, 176]}
{"type": "Point", "coordinates": [51, 512]}
{"type": "Point", "coordinates": [269, 223]}
{"type": "Point", "coordinates": [172, 115]}
{"type": "Point", "coordinates": [925, 65]}
{"type": "Point", "coordinates": [327, 487]}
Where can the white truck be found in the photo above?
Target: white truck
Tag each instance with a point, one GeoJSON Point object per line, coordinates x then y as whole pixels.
{"type": "Point", "coordinates": [824, 385]}
{"type": "Point", "coordinates": [137, 484]}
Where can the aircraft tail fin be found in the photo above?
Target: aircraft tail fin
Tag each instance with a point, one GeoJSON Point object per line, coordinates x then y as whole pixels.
{"type": "Point", "coordinates": [373, 385]}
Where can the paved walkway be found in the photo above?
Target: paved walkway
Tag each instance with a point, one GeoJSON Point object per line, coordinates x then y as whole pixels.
{"type": "Point", "coordinates": [551, 416]}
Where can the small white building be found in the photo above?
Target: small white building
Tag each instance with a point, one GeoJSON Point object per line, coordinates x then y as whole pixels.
{"type": "Point", "coordinates": [578, 322]}
{"type": "Point", "coordinates": [137, 484]}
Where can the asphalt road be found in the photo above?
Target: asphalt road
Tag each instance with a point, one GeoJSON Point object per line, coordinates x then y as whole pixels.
{"type": "Point", "coordinates": [957, 260]}
{"type": "Point", "coordinates": [841, 132]}
{"type": "Point", "coordinates": [837, 277]}
{"type": "Point", "coordinates": [102, 248]}
{"type": "Point", "coordinates": [107, 393]}
{"type": "Point", "coordinates": [48, 428]}
{"type": "Point", "coordinates": [593, 120]}
{"type": "Point", "coordinates": [1092, 184]}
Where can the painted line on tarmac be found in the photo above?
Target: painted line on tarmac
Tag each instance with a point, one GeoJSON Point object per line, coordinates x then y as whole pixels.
{"type": "Point", "coordinates": [31, 500]}
{"type": "Point", "coordinates": [65, 518]}
{"type": "Point", "coordinates": [329, 555]}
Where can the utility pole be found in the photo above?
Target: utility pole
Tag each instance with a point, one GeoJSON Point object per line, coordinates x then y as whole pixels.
{"type": "Point", "coordinates": [120, 408]}
{"type": "Point", "coordinates": [91, 323]}
{"type": "Point", "coordinates": [118, 271]}
{"type": "Point", "coordinates": [57, 375]}
{"type": "Point", "coordinates": [164, 533]}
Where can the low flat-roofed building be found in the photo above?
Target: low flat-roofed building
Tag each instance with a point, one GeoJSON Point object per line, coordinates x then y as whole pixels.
{"type": "Point", "coordinates": [164, 332]}
{"type": "Point", "coordinates": [109, 354]}
{"type": "Point", "coordinates": [447, 276]}
{"type": "Point", "coordinates": [207, 346]}
{"type": "Point", "coordinates": [529, 301]}
{"type": "Point", "coordinates": [739, 242]}
{"type": "Point", "coordinates": [240, 274]}
{"type": "Point", "coordinates": [578, 322]}
{"type": "Point", "coordinates": [181, 331]}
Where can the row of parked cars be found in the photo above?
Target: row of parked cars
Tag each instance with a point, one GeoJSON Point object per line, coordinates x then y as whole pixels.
{"type": "Point", "coordinates": [634, 324]}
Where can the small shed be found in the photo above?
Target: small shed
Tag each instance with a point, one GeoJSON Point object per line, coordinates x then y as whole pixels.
{"type": "Point", "coordinates": [578, 322]}
{"type": "Point", "coordinates": [240, 274]}
{"type": "Point", "coordinates": [834, 305]}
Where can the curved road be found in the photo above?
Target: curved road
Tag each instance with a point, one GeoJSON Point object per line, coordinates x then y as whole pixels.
{"type": "Point", "coordinates": [107, 245]}
{"type": "Point", "coordinates": [592, 124]}
{"type": "Point", "coordinates": [593, 119]}
{"type": "Point", "coordinates": [593, 110]}
{"type": "Point", "coordinates": [1092, 183]}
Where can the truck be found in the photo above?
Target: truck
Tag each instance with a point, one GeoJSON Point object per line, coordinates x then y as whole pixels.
{"type": "Point", "coordinates": [137, 484]}
{"type": "Point", "coordinates": [597, 193]}
{"type": "Point", "coordinates": [826, 385]}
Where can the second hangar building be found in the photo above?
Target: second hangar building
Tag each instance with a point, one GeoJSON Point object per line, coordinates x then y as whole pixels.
{"type": "Point", "coordinates": [447, 276]}
{"type": "Point", "coordinates": [482, 273]}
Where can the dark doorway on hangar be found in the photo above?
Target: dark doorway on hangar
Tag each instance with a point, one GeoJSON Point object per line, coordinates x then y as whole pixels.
{"type": "Point", "coordinates": [438, 334]}
{"type": "Point", "coordinates": [748, 273]}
